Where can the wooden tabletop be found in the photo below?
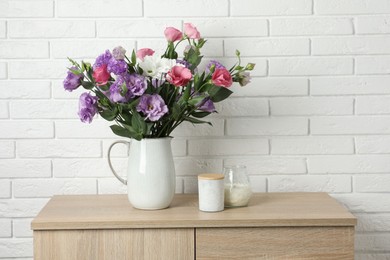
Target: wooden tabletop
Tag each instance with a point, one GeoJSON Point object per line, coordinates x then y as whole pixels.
{"type": "Point", "coordinates": [265, 209]}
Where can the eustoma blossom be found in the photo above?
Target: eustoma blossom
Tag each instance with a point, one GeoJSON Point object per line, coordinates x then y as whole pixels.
{"type": "Point", "coordinates": [147, 94]}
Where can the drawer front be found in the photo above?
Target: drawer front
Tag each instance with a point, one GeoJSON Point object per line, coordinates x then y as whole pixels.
{"type": "Point", "coordinates": [114, 244]}
{"type": "Point", "coordinates": [275, 243]}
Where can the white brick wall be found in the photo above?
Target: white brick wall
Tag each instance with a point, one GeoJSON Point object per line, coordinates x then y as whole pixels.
{"type": "Point", "coordinates": [315, 118]}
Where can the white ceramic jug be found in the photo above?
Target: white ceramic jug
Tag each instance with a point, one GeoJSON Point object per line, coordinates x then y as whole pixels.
{"type": "Point", "coordinates": [150, 173]}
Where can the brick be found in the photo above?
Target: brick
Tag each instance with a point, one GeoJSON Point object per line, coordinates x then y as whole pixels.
{"type": "Point", "coordinates": [349, 164]}
{"type": "Point", "coordinates": [80, 168]}
{"type": "Point", "coordinates": [58, 91]}
{"type": "Point", "coordinates": [38, 69]}
{"type": "Point", "coordinates": [188, 129]}
{"type": "Point", "coordinates": [373, 24]}
{"type": "Point", "coordinates": [21, 208]}
{"type": "Point", "coordinates": [372, 242]}
{"type": "Point", "coordinates": [21, 247]}
{"type": "Point", "coordinates": [328, 183]}
{"type": "Point", "coordinates": [312, 66]}
{"type": "Point", "coordinates": [364, 202]}
{"type": "Point", "coordinates": [25, 168]}
{"type": "Point", "coordinates": [44, 109]}
{"type": "Point", "coordinates": [231, 27]}
{"type": "Point", "coordinates": [111, 186]}
{"type": "Point", "coordinates": [267, 126]}
{"type": "Point", "coordinates": [4, 109]}
{"type": "Point", "coordinates": [350, 125]}
{"type": "Point", "coordinates": [372, 105]}
{"type": "Point", "coordinates": [351, 45]}
{"type": "Point", "coordinates": [258, 183]}
{"type": "Point", "coordinates": [26, 129]}
{"type": "Point", "coordinates": [372, 144]}
{"type": "Point", "coordinates": [7, 149]}
{"type": "Point", "coordinates": [228, 146]}
{"type": "Point", "coordinates": [350, 85]}
{"type": "Point", "coordinates": [267, 47]}
{"type": "Point", "coordinates": [195, 166]}
{"type": "Point", "coordinates": [14, 9]}
{"type": "Point", "coordinates": [22, 227]}
{"type": "Point", "coordinates": [260, 69]}
{"type": "Point", "coordinates": [371, 256]}
{"type": "Point", "coordinates": [179, 188]}
{"type": "Point", "coordinates": [372, 183]}
{"type": "Point", "coordinates": [351, 6]}
{"type": "Point", "coordinates": [260, 165]}
{"type": "Point", "coordinates": [51, 29]}
{"type": "Point", "coordinates": [311, 26]}
{"type": "Point", "coordinates": [311, 106]}
{"type": "Point", "coordinates": [188, 8]}
{"type": "Point", "coordinates": [372, 65]}
{"type": "Point", "coordinates": [24, 89]}
{"type": "Point", "coordinates": [82, 49]}
{"type": "Point", "coordinates": [373, 222]}
{"type": "Point", "coordinates": [2, 29]}
{"type": "Point", "coordinates": [77, 129]}
{"type": "Point", "coordinates": [99, 8]}
{"type": "Point", "coordinates": [190, 185]}
{"type": "Point", "coordinates": [3, 70]}
{"type": "Point", "coordinates": [5, 228]}
{"type": "Point", "coordinates": [243, 107]}
{"type": "Point", "coordinates": [135, 28]}
{"type": "Point", "coordinates": [274, 86]}
{"type": "Point", "coordinates": [5, 189]}
{"type": "Point", "coordinates": [58, 148]}
{"type": "Point", "coordinates": [24, 49]}
{"type": "Point", "coordinates": [270, 7]}
{"type": "Point", "coordinates": [312, 145]}
{"type": "Point", "coordinates": [39, 188]}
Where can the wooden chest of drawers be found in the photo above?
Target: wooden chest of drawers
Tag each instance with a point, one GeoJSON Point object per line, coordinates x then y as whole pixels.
{"type": "Point", "coordinates": [273, 226]}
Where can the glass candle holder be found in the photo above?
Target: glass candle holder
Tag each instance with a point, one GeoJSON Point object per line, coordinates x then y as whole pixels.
{"type": "Point", "coordinates": [237, 186]}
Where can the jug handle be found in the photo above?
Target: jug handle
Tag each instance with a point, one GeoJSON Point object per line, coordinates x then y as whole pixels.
{"type": "Point", "coordinates": [109, 160]}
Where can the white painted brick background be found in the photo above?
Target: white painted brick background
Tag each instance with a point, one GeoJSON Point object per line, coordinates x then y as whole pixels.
{"type": "Point", "coordinates": [315, 118]}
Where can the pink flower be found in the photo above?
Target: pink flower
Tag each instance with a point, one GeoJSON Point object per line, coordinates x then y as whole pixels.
{"type": "Point", "coordinates": [173, 34]}
{"type": "Point", "coordinates": [179, 76]}
{"type": "Point", "coordinates": [101, 75]}
{"type": "Point", "coordinates": [191, 31]}
{"type": "Point", "coordinates": [141, 53]}
{"type": "Point", "coordinates": [222, 78]}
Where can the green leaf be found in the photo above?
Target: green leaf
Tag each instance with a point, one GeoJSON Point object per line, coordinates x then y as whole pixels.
{"type": "Point", "coordinates": [186, 94]}
{"type": "Point", "coordinates": [196, 121]}
{"type": "Point", "coordinates": [109, 115]}
{"type": "Point", "coordinates": [104, 87]}
{"type": "Point", "coordinates": [218, 94]}
{"type": "Point", "coordinates": [87, 84]}
{"type": "Point", "coordinates": [200, 114]}
{"type": "Point", "coordinates": [138, 123]}
{"type": "Point", "coordinates": [74, 63]}
{"type": "Point", "coordinates": [124, 89]}
{"type": "Point", "coordinates": [118, 130]}
{"type": "Point", "coordinates": [176, 111]}
{"type": "Point", "coordinates": [195, 100]}
{"type": "Point", "coordinates": [133, 58]}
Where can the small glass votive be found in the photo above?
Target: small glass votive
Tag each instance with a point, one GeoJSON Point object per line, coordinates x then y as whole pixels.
{"type": "Point", "coordinates": [211, 192]}
{"type": "Point", "coordinates": [237, 186]}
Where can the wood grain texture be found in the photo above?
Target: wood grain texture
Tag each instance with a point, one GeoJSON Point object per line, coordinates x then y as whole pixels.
{"type": "Point", "coordinates": [114, 244]}
{"type": "Point", "coordinates": [264, 210]}
{"type": "Point", "coordinates": [275, 243]}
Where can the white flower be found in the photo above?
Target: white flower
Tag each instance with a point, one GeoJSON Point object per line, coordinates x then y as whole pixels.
{"type": "Point", "coordinates": [154, 66]}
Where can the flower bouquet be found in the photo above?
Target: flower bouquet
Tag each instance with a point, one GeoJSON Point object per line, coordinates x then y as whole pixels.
{"type": "Point", "coordinates": [148, 95]}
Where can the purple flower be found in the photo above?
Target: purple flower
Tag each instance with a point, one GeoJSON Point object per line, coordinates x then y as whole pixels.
{"type": "Point", "coordinates": [206, 105]}
{"type": "Point", "coordinates": [183, 62]}
{"type": "Point", "coordinates": [116, 92]}
{"type": "Point", "coordinates": [102, 59]}
{"type": "Point", "coordinates": [135, 84]}
{"type": "Point", "coordinates": [157, 82]}
{"type": "Point", "coordinates": [72, 81]}
{"type": "Point", "coordinates": [217, 65]}
{"type": "Point", "coordinates": [119, 53]}
{"type": "Point", "coordinates": [117, 67]}
{"type": "Point", "coordinates": [152, 106]}
{"type": "Point", "coordinates": [87, 107]}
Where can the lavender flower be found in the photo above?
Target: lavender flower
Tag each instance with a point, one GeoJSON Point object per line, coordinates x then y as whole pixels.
{"type": "Point", "coordinates": [102, 59]}
{"type": "Point", "coordinates": [119, 53]}
{"type": "Point", "coordinates": [152, 106]}
{"type": "Point", "coordinates": [116, 91]}
{"type": "Point", "coordinates": [72, 81]}
{"type": "Point", "coordinates": [207, 105]}
{"type": "Point", "coordinates": [183, 62]}
{"type": "Point", "coordinates": [117, 67]}
{"type": "Point", "coordinates": [157, 82]}
{"type": "Point", "coordinates": [215, 64]}
{"type": "Point", "coordinates": [135, 86]}
{"type": "Point", "coordinates": [87, 107]}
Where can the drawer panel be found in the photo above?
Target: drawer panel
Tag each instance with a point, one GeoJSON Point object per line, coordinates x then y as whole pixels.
{"type": "Point", "coordinates": [275, 243]}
